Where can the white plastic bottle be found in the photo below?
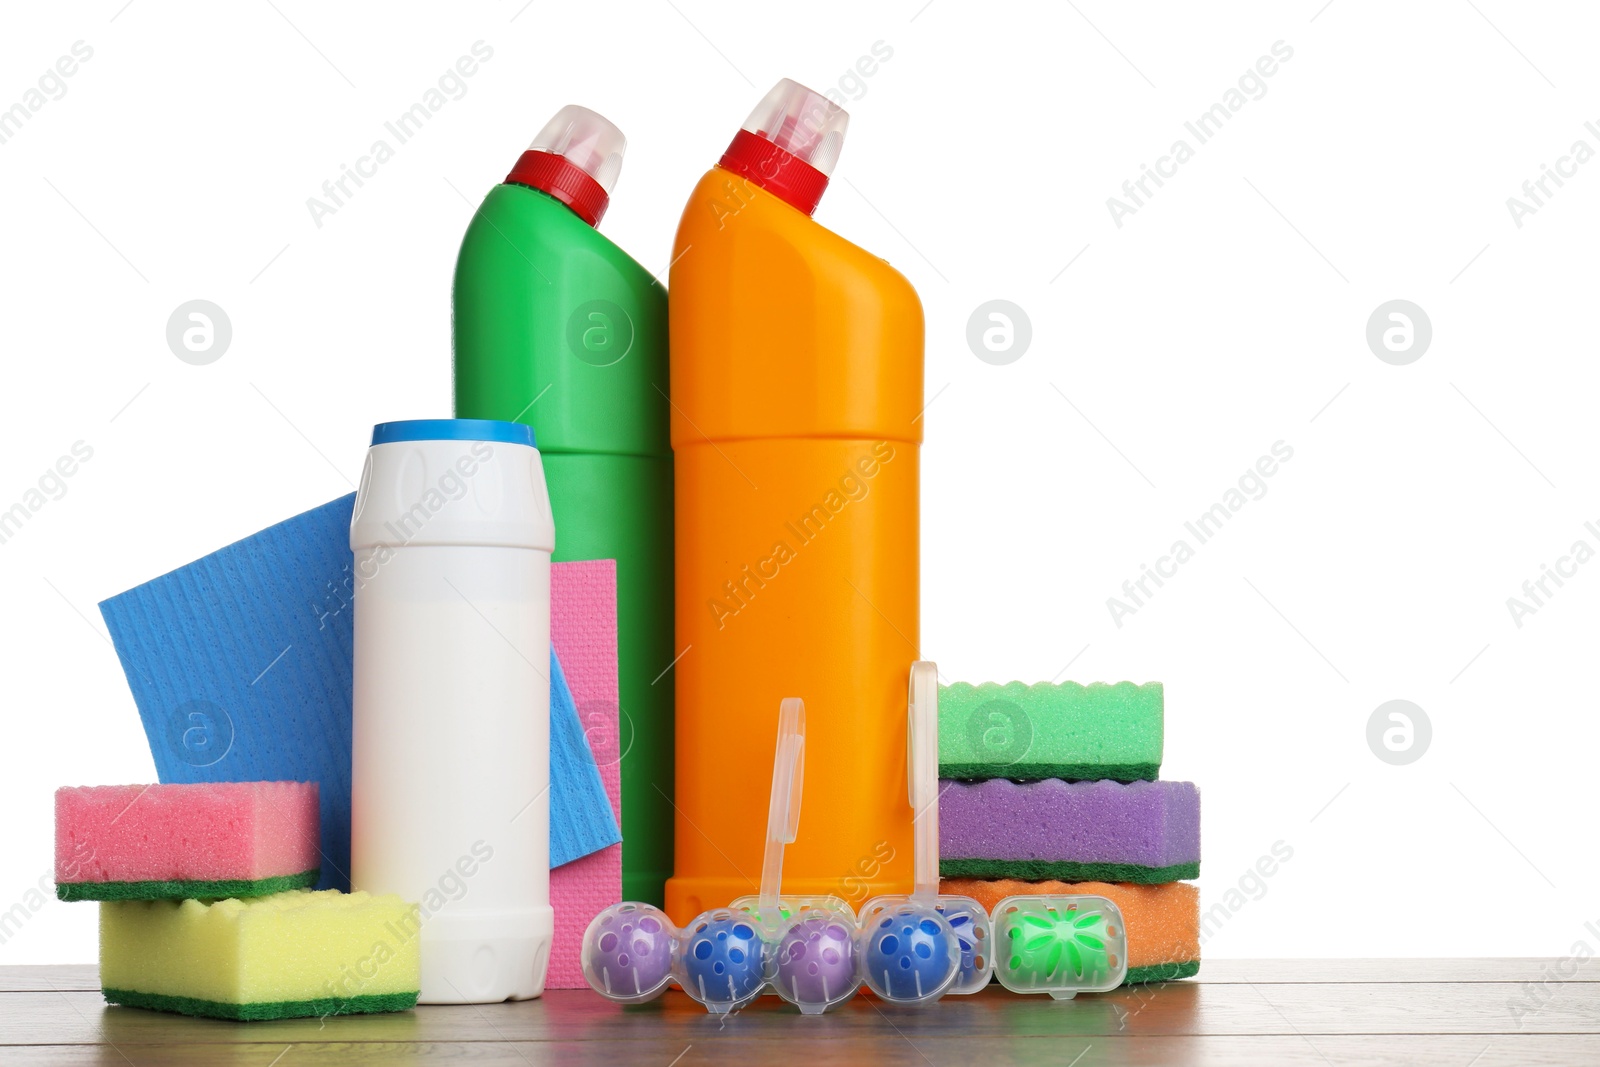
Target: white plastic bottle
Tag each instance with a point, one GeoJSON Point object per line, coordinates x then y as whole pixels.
{"type": "Point", "coordinates": [452, 538]}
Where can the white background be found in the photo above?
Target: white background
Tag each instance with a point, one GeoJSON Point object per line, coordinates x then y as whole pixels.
{"type": "Point", "coordinates": [1225, 315]}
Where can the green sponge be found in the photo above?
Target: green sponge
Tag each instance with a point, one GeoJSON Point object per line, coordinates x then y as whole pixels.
{"type": "Point", "coordinates": [1067, 731]}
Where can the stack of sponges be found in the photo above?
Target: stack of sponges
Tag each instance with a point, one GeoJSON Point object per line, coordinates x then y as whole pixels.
{"type": "Point", "coordinates": [202, 910]}
{"type": "Point", "coordinates": [1052, 789]}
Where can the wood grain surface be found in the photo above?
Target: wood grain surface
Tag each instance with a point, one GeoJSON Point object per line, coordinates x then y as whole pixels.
{"type": "Point", "coordinates": [1462, 1012]}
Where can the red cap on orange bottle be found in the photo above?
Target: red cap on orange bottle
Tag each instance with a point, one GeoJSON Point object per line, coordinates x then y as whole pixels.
{"type": "Point", "coordinates": [789, 144]}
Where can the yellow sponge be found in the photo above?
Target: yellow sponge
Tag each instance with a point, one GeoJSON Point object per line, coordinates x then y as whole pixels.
{"type": "Point", "coordinates": [289, 954]}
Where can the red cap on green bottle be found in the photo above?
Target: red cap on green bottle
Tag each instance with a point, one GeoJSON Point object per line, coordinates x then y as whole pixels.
{"type": "Point", "coordinates": [575, 159]}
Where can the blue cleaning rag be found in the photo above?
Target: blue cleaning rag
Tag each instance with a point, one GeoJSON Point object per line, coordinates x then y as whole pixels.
{"type": "Point", "coordinates": [240, 664]}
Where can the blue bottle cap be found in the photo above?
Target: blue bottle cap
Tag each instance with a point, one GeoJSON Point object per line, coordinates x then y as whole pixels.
{"type": "Point", "coordinates": [510, 433]}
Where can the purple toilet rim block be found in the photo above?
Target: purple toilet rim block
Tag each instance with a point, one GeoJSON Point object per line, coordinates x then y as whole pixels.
{"type": "Point", "coordinates": [1104, 831]}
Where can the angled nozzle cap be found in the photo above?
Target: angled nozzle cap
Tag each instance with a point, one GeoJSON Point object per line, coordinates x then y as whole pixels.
{"type": "Point", "coordinates": [576, 158]}
{"type": "Point", "coordinates": [586, 139]}
{"type": "Point", "coordinates": [790, 144]}
{"type": "Point", "coordinates": [803, 123]}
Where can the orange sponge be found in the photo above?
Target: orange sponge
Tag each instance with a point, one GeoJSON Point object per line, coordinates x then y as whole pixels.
{"type": "Point", "coordinates": [1163, 921]}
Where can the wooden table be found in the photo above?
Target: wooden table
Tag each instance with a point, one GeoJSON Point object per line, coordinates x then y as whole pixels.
{"type": "Point", "coordinates": [1465, 1013]}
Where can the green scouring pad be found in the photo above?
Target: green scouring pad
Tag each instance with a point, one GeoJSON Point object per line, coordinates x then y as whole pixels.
{"type": "Point", "coordinates": [254, 1012]}
{"type": "Point", "coordinates": [179, 889]}
{"type": "Point", "coordinates": [1067, 871]}
{"type": "Point", "coordinates": [1162, 972]}
{"type": "Point", "coordinates": [1068, 731]}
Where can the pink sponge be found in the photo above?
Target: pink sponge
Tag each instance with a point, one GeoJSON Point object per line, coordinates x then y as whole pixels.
{"type": "Point", "coordinates": [205, 840]}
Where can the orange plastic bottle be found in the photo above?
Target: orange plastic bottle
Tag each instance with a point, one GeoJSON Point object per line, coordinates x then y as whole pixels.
{"type": "Point", "coordinates": [796, 364]}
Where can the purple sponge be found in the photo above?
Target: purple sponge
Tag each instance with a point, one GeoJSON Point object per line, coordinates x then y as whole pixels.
{"type": "Point", "coordinates": [1105, 831]}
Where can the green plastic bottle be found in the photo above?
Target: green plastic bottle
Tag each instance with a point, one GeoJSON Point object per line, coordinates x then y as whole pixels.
{"type": "Point", "coordinates": [557, 327]}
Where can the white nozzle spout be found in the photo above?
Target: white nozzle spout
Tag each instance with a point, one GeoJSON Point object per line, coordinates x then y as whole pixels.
{"type": "Point", "coordinates": [586, 139]}
{"type": "Point", "coordinates": [803, 123]}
